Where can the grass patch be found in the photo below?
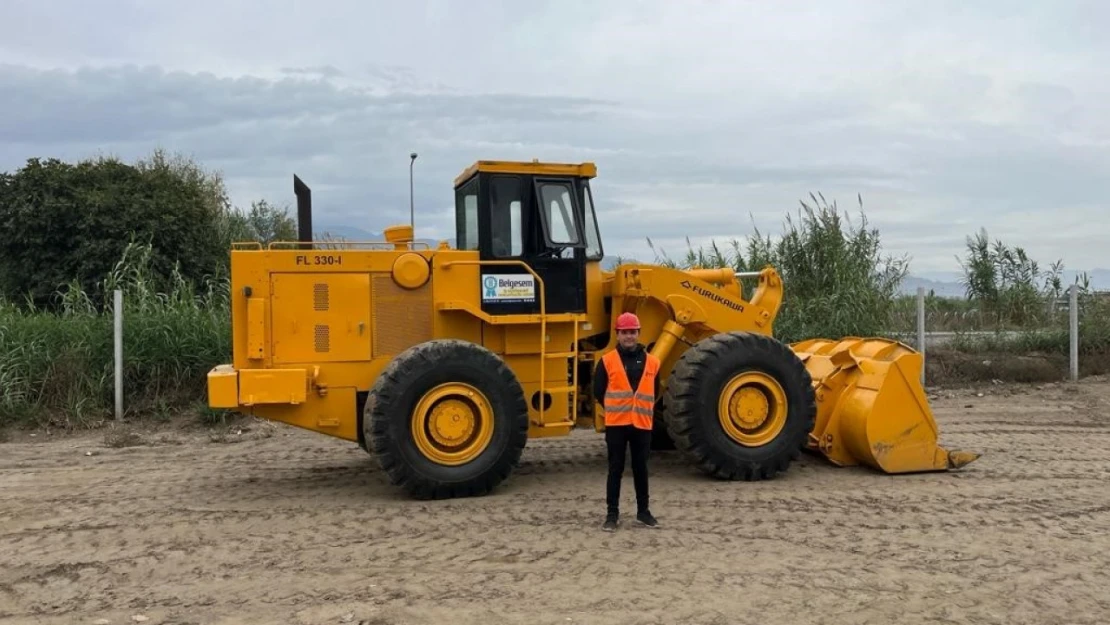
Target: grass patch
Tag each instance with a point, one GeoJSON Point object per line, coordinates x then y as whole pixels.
{"type": "Point", "coordinates": [57, 369]}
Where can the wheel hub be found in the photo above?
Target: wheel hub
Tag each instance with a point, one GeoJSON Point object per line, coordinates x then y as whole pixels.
{"type": "Point", "coordinates": [748, 408]}
{"type": "Point", "coordinates": [752, 408]}
{"type": "Point", "coordinates": [452, 424]}
{"type": "Point", "coordinates": [452, 421]}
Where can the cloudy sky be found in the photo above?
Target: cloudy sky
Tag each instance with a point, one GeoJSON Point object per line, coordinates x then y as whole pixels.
{"type": "Point", "coordinates": [701, 115]}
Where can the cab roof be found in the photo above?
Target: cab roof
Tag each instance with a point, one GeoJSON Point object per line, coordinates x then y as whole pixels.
{"type": "Point", "coordinates": [535, 167]}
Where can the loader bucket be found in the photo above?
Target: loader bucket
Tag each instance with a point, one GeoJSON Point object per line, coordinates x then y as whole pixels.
{"type": "Point", "coordinates": [871, 407]}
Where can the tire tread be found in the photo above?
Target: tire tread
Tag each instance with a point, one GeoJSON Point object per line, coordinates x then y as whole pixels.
{"type": "Point", "coordinates": [388, 411]}
{"type": "Point", "coordinates": [691, 417]}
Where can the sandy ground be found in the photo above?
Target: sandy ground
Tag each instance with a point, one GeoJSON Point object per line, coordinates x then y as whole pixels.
{"type": "Point", "coordinates": [275, 525]}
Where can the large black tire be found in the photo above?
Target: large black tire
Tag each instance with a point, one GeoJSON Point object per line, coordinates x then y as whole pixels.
{"type": "Point", "coordinates": [387, 422]}
{"type": "Point", "coordinates": [691, 404]}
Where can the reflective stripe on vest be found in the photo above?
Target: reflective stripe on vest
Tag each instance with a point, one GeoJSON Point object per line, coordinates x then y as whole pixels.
{"type": "Point", "coordinates": [624, 406]}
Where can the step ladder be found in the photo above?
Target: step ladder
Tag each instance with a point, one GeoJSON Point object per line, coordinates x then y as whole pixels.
{"type": "Point", "coordinates": [571, 390]}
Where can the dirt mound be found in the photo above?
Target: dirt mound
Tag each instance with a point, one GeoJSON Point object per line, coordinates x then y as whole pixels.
{"type": "Point", "coordinates": [955, 368]}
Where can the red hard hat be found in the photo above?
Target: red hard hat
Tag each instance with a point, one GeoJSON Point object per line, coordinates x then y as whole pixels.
{"type": "Point", "coordinates": [628, 321]}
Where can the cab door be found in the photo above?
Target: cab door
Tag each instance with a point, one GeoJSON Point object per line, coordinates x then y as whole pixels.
{"type": "Point", "coordinates": [535, 220]}
{"type": "Point", "coordinates": [559, 256]}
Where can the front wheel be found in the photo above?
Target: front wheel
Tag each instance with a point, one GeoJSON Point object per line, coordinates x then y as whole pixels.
{"type": "Point", "coordinates": [447, 418]}
{"type": "Point", "coordinates": [741, 405]}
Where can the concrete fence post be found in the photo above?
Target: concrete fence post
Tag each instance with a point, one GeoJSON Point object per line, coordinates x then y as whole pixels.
{"type": "Point", "coordinates": [921, 329]}
{"type": "Point", "coordinates": [117, 315]}
{"type": "Point", "coordinates": [1073, 331]}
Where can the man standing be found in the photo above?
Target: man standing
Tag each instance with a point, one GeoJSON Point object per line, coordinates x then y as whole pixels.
{"type": "Point", "coordinates": [626, 384]}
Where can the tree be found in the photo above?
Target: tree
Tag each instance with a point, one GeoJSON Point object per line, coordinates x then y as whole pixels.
{"type": "Point", "coordinates": [1002, 281]}
{"type": "Point", "coordinates": [838, 281]}
{"type": "Point", "coordinates": [265, 223]}
{"type": "Point", "coordinates": [64, 222]}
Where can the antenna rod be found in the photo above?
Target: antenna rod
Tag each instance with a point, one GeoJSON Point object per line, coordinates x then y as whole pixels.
{"type": "Point", "coordinates": [412, 209]}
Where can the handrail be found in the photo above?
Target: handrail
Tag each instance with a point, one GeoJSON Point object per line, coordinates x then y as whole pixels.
{"type": "Point", "coordinates": [543, 314]}
{"type": "Point", "coordinates": [316, 245]}
{"type": "Point", "coordinates": [323, 245]}
{"type": "Point", "coordinates": [574, 378]}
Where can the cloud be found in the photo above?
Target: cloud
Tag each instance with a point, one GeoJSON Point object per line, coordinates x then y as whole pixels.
{"type": "Point", "coordinates": [701, 116]}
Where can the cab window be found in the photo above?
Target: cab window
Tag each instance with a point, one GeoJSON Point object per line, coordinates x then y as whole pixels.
{"type": "Point", "coordinates": [593, 236]}
{"type": "Point", "coordinates": [466, 216]}
{"type": "Point", "coordinates": [557, 205]}
{"type": "Point", "coordinates": [506, 226]}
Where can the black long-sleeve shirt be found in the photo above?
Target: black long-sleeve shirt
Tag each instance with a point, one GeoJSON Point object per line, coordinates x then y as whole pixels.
{"type": "Point", "coordinates": [634, 361]}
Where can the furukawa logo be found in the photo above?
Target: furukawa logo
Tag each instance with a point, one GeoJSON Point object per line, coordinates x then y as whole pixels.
{"type": "Point", "coordinates": [716, 297]}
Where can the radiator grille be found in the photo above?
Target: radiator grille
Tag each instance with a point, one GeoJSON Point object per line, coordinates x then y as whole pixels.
{"type": "Point", "coordinates": [323, 338]}
{"type": "Point", "coordinates": [401, 318]}
{"type": "Point", "coordinates": [320, 296]}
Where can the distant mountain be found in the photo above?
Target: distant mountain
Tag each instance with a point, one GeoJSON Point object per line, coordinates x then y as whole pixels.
{"type": "Point", "coordinates": [947, 284]}
{"type": "Point", "coordinates": [1097, 279]}
{"type": "Point", "coordinates": [350, 233]}
{"type": "Point", "coordinates": [941, 283]}
{"type": "Point", "coordinates": [940, 288]}
{"type": "Point", "coordinates": [361, 235]}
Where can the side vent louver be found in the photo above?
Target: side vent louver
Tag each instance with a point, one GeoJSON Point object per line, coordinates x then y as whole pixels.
{"type": "Point", "coordinates": [320, 297]}
{"type": "Point", "coordinates": [323, 338]}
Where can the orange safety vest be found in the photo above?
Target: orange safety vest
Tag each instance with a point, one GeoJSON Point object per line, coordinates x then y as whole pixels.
{"type": "Point", "coordinates": [623, 406]}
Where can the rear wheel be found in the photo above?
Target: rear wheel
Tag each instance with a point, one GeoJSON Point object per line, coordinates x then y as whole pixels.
{"type": "Point", "coordinates": [447, 418]}
{"type": "Point", "coordinates": [741, 405]}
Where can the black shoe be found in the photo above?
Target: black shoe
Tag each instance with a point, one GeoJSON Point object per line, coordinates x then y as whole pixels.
{"type": "Point", "coordinates": [645, 518]}
{"type": "Point", "coordinates": [610, 524]}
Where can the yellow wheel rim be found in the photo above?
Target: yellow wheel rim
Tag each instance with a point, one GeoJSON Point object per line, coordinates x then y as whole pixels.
{"type": "Point", "coordinates": [752, 408]}
{"type": "Point", "coordinates": [452, 424]}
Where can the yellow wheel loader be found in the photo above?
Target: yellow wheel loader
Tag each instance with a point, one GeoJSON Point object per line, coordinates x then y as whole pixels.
{"type": "Point", "coordinates": [442, 362]}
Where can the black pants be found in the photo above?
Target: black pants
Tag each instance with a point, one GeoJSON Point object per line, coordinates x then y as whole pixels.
{"type": "Point", "coordinates": [618, 439]}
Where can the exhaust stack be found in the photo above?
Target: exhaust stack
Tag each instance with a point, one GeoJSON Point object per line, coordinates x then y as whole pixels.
{"type": "Point", "coordinates": [304, 212]}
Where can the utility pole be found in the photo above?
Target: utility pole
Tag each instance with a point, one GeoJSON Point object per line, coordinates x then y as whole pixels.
{"type": "Point", "coordinates": [412, 205]}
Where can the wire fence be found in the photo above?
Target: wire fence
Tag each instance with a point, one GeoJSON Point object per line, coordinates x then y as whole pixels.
{"type": "Point", "coordinates": [79, 362]}
{"type": "Point", "coordinates": [1075, 324]}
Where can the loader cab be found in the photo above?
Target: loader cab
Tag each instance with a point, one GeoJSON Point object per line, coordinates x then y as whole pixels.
{"type": "Point", "coordinates": [538, 213]}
